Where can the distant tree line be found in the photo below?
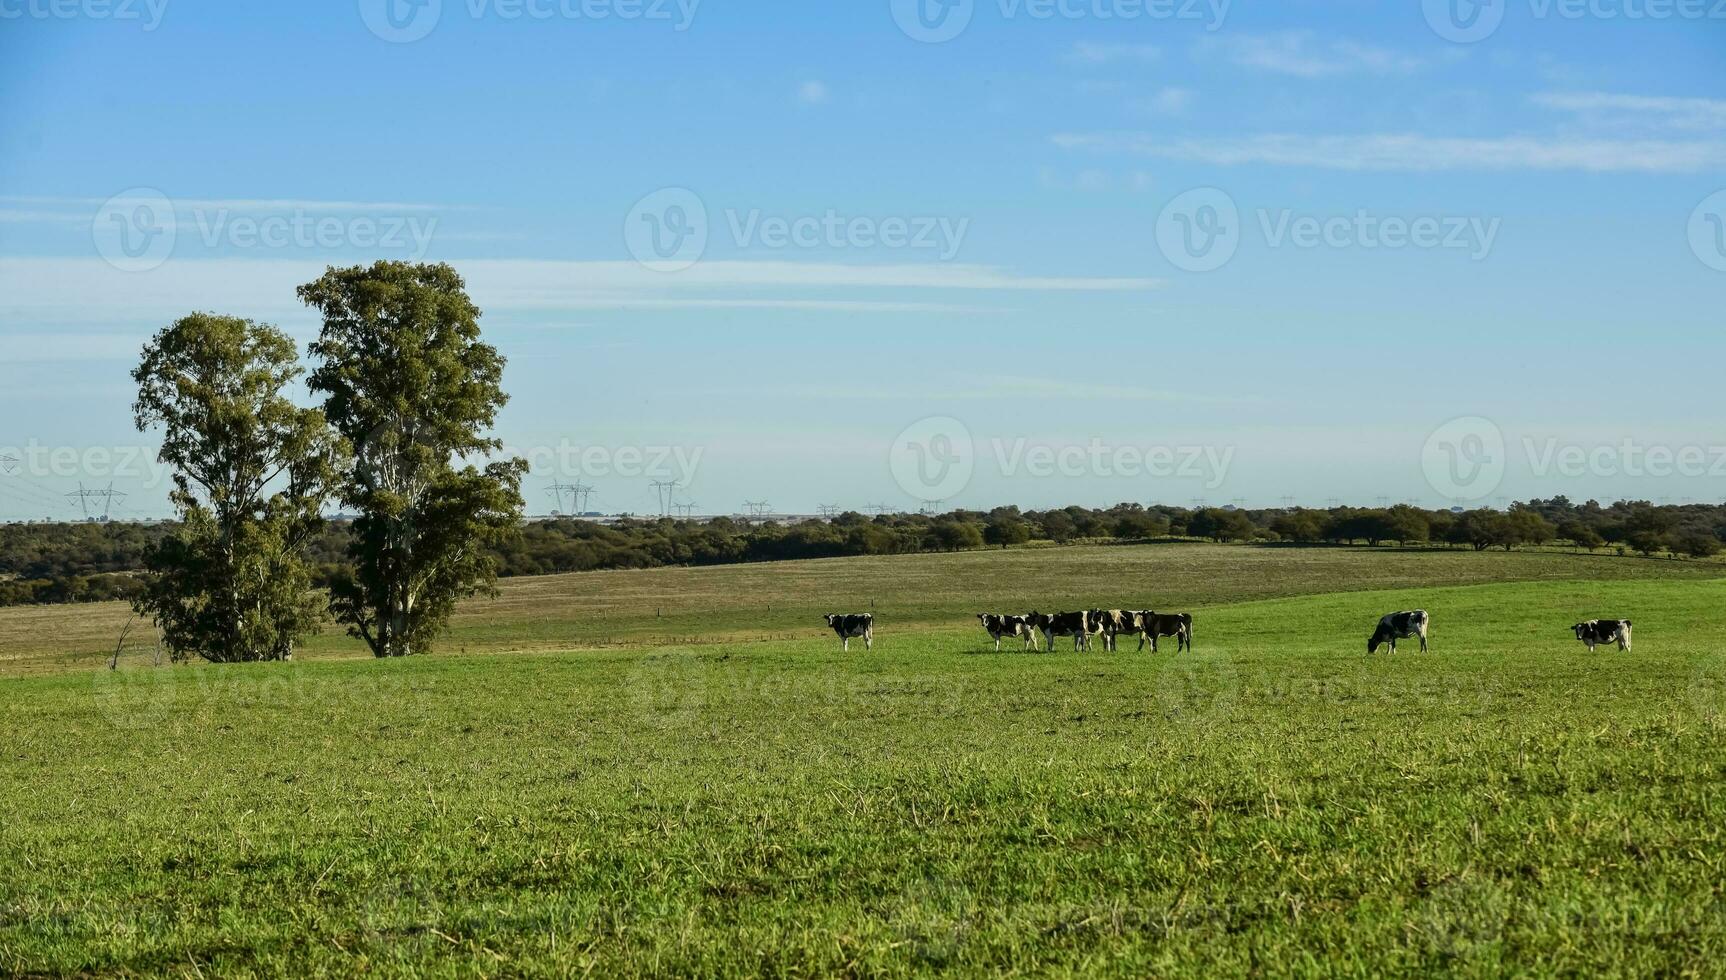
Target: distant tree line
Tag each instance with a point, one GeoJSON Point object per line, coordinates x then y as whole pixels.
{"type": "Point", "coordinates": [51, 563]}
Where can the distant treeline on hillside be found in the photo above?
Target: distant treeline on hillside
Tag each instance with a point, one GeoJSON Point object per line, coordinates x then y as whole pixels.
{"type": "Point", "coordinates": [90, 562]}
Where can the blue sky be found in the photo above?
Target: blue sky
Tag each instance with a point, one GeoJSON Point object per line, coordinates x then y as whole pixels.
{"type": "Point", "coordinates": [1000, 232]}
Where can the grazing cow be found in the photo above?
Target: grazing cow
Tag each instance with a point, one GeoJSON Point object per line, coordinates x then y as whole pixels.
{"type": "Point", "coordinates": [999, 626]}
{"type": "Point", "coordinates": [1073, 624]}
{"type": "Point", "coordinates": [1155, 624]}
{"type": "Point", "coordinates": [848, 625]}
{"type": "Point", "coordinates": [1598, 632]}
{"type": "Point", "coordinates": [1110, 623]}
{"type": "Point", "coordinates": [1398, 626]}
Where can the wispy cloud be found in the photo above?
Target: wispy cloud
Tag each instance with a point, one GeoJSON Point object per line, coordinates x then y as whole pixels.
{"type": "Point", "coordinates": [1095, 53]}
{"type": "Point", "coordinates": [812, 92]}
{"type": "Point", "coordinates": [45, 348]}
{"type": "Point", "coordinates": [1662, 112]}
{"type": "Point", "coordinates": [37, 290]}
{"type": "Point", "coordinates": [1173, 100]}
{"type": "Point", "coordinates": [1092, 179]}
{"type": "Point", "coordinates": [1003, 388]}
{"type": "Point", "coordinates": [240, 204]}
{"type": "Point", "coordinates": [1305, 55]}
{"type": "Point", "coordinates": [1417, 153]}
{"type": "Point", "coordinates": [22, 216]}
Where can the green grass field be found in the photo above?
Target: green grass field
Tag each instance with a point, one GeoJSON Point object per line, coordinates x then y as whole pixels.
{"type": "Point", "coordinates": [717, 790]}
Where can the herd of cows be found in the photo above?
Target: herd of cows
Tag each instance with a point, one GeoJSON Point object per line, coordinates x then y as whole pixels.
{"type": "Point", "coordinates": [1110, 624]}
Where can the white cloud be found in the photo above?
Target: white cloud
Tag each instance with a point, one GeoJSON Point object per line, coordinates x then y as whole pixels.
{"type": "Point", "coordinates": [1094, 180]}
{"type": "Point", "coordinates": [1416, 153]}
{"type": "Point", "coordinates": [42, 348]}
{"type": "Point", "coordinates": [1172, 100]}
{"type": "Point", "coordinates": [1095, 53]}
{"type": "Point", "coordinates": [1605, 108]}
{"type": "Point", "coordinates": [238, 204]}
{"type": "Point", "coordinates": [1006, 388]}
{"type": "Point", "coordinates": [57, 290]}
{"type": "Point", "coordinates": [812, 93]}
{"type": "Point", "coordinates": [1303, 54]}
{"type": "Point", "coordinates": [1091, 180]}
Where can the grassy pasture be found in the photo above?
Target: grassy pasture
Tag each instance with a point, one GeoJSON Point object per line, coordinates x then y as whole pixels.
{"type": "Point", "coordinates": [1273, 802]}
{"type": "Point", "coordinates": [785, 600]}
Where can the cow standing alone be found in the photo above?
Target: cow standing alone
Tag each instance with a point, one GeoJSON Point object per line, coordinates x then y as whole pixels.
{"type": "Point", "coordinates": [1155, 624]}
{"type": "Point", "coordinates": [1398, 626]}
{"type": "Point", "coordinates": [848, 625]}
{"type": "Point", "coordinates": [1598, 632]}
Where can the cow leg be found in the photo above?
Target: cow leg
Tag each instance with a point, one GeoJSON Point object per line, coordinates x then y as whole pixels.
{"type": "Point", "coordinates": [1423, 641]}
{"type": "Point", "coordinates": [845, 643]}
{"type": "Point", "coordinates": [868, 639]}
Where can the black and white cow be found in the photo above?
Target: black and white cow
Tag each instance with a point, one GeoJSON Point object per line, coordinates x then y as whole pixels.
{"type": "Point", "coordinates": [1599, 632]}
{"type": "Point", "coordinates": [1051, 625]}
{"type": "Point", "coordinates": [848, 625]}
{"type": "Point", "coordinates": [999, 626]}
{"type": "Point", "coordinates": [1398, 626]}
{"type": "Point", "coordinates": [1110, 623]}
{"type": "Point", "coordinates": [1155, 624]}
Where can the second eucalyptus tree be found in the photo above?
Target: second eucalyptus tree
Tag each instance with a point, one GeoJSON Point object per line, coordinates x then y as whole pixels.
{"type": "Point", "coordinates": [409, 383]}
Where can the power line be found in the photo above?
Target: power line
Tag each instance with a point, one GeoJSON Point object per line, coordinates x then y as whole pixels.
{"type": "Point", "coordinates": [829, 510]}
{"type": "Point", "coordinates": [583, 495]}
{"type": "Point", "coordinates": [758, 509]}
{"type": "Point", "coordinates": [578, 496]}
{"type": "Point", "coordinates": [29, 491]}
{"type": "Point", "coordinates": [107, 497]}
{"type": "Point", "coordinates": [666, 490]}
{"type": "Point", "coordinates": [879, 509]}
{"type": "Point", "coordinates": [685, 510]}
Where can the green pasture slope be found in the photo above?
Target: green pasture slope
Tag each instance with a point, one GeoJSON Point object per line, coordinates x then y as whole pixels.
{"type": "Point", "coordinates": [1274, 802]}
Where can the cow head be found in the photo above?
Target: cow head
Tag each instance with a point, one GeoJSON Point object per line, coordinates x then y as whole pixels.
{"type": "Point", "coordinates": [1579, 629]}
{"type": "Point", "coordinates": [831, 618]}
